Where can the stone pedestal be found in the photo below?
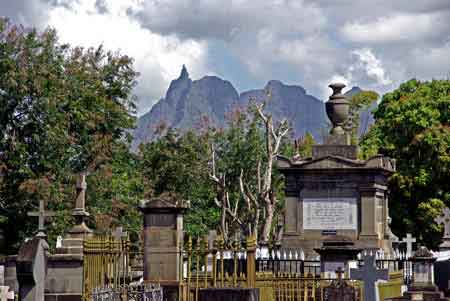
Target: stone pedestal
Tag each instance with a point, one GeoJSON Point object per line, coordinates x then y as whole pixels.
{"type": "Point", "coordinates": [64, 278]}
{"type": "Point", "coordinates": [335, 253]}
{"type": "Point", "coordinates": [335, 193]}
{"type": "Point", "coordinates": [163, 239]}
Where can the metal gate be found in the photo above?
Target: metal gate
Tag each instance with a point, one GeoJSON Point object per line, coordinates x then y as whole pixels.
{"type": "Point", "coordinates": [105, 264]}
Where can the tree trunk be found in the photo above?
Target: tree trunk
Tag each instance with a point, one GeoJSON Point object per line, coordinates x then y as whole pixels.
{"type": "Point", "coordinates": [266, 231]}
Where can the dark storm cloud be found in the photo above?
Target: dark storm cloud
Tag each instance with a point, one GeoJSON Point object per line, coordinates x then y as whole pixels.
{"type": "Point", "coordinates": [375, 44]}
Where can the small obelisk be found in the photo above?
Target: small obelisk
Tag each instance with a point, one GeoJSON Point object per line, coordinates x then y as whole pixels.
{"type": "Point", "coordinates": [73, 242]}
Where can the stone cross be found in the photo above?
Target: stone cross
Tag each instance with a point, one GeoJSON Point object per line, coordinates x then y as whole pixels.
{"type": "Point", "coordinates": [5, 294]}
{"type": "Point", "coordinates": [444, 218]}
{"type": "Point", "coordinates": [369, 274]}
{"type": "Point", "coordinates": [409, 240]}
{"type": "Point", "coordinates": [119, 233]}
{"type": "Point", "coordinates": [41, 214]}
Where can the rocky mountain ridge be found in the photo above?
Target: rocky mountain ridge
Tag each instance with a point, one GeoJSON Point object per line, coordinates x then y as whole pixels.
{"type": "Point", "coordinates": [188, 103]}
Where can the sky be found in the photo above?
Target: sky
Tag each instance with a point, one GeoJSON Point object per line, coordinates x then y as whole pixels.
{"type": "Point", "coordinates": [373, 44]}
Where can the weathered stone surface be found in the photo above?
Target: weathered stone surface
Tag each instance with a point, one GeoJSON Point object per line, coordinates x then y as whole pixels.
{"type": "Point", "coordinates": [163, 237]}
{"type": "Point", "coordinates": [369, 274]}
{"type": "Point", "coordinates": [229, 294]}
{"type": "Point", "coordinates": [32, 269]}
{"type": "Point", "coordinates": [65, 275]}
{"type": "Point", "coordinates": [335, 175]}
{"type": "Point", "coordinates": [345, 151]}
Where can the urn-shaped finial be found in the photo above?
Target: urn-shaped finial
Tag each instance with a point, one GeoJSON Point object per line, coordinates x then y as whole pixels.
{"type": "Point", "coordinates": [337, 108]}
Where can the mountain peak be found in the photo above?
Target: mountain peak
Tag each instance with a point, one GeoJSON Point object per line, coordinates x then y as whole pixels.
{"type": "Point", "coordinates": [184, 73]}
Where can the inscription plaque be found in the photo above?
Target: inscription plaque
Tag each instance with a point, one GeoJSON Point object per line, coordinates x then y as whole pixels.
{"type": "Point", "coordinates": [330, 214]}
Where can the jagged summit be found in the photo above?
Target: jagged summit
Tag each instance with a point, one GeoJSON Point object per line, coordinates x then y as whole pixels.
{"type": "Point", "coordinates": [188, 103]}
{"type": "Point", "coordinates": [184, 73]}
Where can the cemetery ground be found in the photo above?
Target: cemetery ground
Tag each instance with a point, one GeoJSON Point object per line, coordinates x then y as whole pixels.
{"type": "Point", "coordinates": [336, 243]}
{"type": "Point", "coordinates": [240, 213]}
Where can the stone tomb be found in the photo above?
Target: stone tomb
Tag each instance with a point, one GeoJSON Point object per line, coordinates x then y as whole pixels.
{"type": "Point", "coordinates": [163, 240]}
{"type": "Point", "coordinates": [335, 193]}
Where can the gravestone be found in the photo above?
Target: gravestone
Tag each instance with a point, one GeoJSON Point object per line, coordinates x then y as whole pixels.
{"type": "Point", "coordinates": [335, 254]}
{"type": "Point", "coordinates": [41, 214]}
{"type": "Point", "coordinates": [339, 290]}
{"type": "Point", "coordinates": [119, 234]}
{"type": "Point", "coordinates": [163, 239]}
{"type": "Point", "coordinates": [369, 274]}
{"type": "Point", "coordinates": [335, 193]}
{"type": "Point", "coordinates": [72, 243]}
{"type": "Point", "coordinates": [444, 219]}
{"type": "Point", "coordinates": [65, 267]}
{"type": "Point", "coordinates": [32, 268]}
{"type": "Point", "coordinates": [442, 276]}
{"type": "Point", "coordinates": [409, 240]}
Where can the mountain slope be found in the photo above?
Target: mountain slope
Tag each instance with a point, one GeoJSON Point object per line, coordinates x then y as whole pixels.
{"type": "Point", "coordinates": [188, 104]}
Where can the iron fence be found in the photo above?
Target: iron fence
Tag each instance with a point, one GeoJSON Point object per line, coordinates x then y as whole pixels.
{"type": "Point", "coordinates": [145, 292]}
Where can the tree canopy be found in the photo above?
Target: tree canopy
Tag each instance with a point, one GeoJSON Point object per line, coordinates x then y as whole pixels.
{"type": "Point", "coordinates": [412, 125]}
{"type": "Point", "coordinates": [63, 110]}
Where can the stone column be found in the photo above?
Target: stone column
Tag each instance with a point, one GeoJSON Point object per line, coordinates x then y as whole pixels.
{"type": "Point", "coordinates": [163, 240]}
{"type": "Point", "coordinates": [369, 210]}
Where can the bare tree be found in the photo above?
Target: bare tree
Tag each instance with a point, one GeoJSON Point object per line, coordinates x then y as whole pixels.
{"type": "Point", "coordinates": [263, 201]}
{"type": "Point", "coordinates": [229, 213]}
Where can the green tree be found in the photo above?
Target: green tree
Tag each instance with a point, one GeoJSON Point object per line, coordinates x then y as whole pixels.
{"type": "Point", "coordinates": [178, 164]}
{"type": "Point", "coordinates": [413, 126]}
{"type": "Point", "coordinates": [359, 102]}
{"type": "Point", "coordinates": [63, 110]}
{"type": "Point", "coordinates": [303, 146]}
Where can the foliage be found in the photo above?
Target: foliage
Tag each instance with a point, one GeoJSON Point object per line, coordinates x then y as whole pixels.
{"type": "Point", "coordinates": [413, 126]}
{"type": "Point", "coordinates": [359, 102]}
{"type": "Point", "coordinates": [177, 163]}
{"type": "Point", "coordinates": [182, 164]}
{"type": "Point", "coordinates": [62, 110]}
{"type": "Point", "coordinates": [303, 146]}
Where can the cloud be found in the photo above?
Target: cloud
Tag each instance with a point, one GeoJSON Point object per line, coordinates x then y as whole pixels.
{"type": "Point", "coordinates": [372, 66]}
{"type": "Point", "coordinates": [372, 44]}
{"type": "Point", "coordinates": [204, 19]}
{"type": "Point", "coordinates": [25, 12]}
{"type": "Point", "coordinates": [158, 58]}
{"type": "Point", "coordinates": [397, 28]}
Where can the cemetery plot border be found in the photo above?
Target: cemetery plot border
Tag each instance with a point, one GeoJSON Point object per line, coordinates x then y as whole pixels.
{"type": "Point", "coordinates": [279, 277]}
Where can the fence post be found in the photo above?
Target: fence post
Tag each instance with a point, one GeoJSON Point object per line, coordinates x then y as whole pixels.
{"type": "Point", "coordinates": [251, 260]}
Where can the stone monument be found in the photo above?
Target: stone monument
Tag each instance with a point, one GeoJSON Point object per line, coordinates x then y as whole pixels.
{"type": "Point", "coordinates": [369, 274]}
{"type": "Point", "coordinates": [409, 240]}
{"type": "Point", "coordinates": [72, 243]}
{"type": "Point", "coordinates": [336, 254]}
{"type": "Point", "coordinates": [163, 240]}
{"type": "Point", "coordinates": [339, 289]}
{"type": "Point", "coordinates": [32, 268]}
{"type": "Point", "coordinates": [444, 218]}
{"type": "Point", "coordinates": [31, 262]}
{"type": "Point", "coordinates": [334, 192]}
{"type": "Point", "coordinates": [65, 268]}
